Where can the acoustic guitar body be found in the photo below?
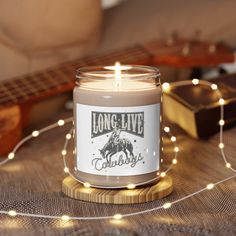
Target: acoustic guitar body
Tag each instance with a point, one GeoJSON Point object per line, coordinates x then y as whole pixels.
{"type": "Point", "coordinates": [10, 128]}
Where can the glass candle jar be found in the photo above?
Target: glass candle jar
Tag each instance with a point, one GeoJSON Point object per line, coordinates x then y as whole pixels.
{"type": "Point", "coordinates": [117, 116]}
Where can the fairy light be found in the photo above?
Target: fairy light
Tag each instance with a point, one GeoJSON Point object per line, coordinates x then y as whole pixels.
{"type": "Point", "coordinates": [66, 169]}
{"type": "Point", "coordinates": [12, 213]}
{"type": "Point", "coordinates": [167, 129]}
{"type": "Point", "coordinates": [221, 101]}
{"type": "Point", "coordinates": [87, 185]}
{"type": "Point", "coordinates": [173, 138]}
{"type": "Point", "coordinates": [166, 87]}
{"type": "Point", "coordinates": [195, 81]}
{"type": "Point", "coordinates": [35, 133]}
{"type": "Point", "coordinates": [174, 161]}
{"type": "Point", "coordinates": [65, 218]}
{"type": "Point", "coordinates": [228, 165]}
{"type": "Point", "coordinates": [167, 205]}
{"type": "Point", "coordinates": [61, 122]}
{"type": "Point", "coordinates": [162, 174]}
{"type": "Point", "coordinates": [221, 122]}
{"type": "Point", "coordinates": [214, 87]}
{"type": "Point", "coordinates": [131, 186]}
{"type": "Point", "coordinates": [11, 155]}
{"type": "Point", "coordinates": [221, 145]}
{"type": "Point", "coordinates": [117, 216]}
{"type": "Point", "coordinates": [176, 149]}
{"type": "Point", "coordinates": [63, 152]}
{"type": "Point", "coordinates": [210, 186]}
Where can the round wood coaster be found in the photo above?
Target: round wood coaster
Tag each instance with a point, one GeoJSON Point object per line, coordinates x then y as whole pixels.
{"type": "Point", "coordinates": [76, 190]}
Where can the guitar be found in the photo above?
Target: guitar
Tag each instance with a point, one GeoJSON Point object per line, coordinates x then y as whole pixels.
{"type": "Point", "coordinates": [18, 95]}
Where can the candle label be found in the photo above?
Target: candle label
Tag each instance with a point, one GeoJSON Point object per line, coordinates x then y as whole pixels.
{"type": "Point", "coordinates": [118, 141]}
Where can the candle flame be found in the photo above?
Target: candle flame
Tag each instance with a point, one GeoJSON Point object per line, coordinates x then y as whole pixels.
{"type": "Point", "coordinates": [117, 71]}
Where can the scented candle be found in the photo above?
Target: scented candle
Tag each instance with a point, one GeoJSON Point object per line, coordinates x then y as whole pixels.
{"type": "Point", "coordinates": [117, 116]}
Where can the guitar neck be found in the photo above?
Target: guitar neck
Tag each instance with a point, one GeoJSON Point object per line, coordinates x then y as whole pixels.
{"type": "Point", "coordinates": [53, 81]}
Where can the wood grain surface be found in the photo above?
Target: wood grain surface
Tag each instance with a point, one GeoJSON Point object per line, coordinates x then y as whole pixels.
{"type": "Point", "coordinates": [76, 190]}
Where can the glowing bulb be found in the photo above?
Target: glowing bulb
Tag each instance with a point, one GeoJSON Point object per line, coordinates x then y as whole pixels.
{"type": "Point", "coordinates": [87, 185]}
{"type": "Point", "coordinates": [117, 216]}
{"type": "Point", "coordinates": [214, 86]}
{"type": "Point", "coordinates": [176, 149]}
{"type": "Point", "coordinates": [131, 186]}
{"type": "Point", "coordinates": [174, 161]}
{"type": "Point", "coordinates": [195, 81]}
{"type": "Point", "coordinates": [11, 155]}
{"type": "Point", "coordinates": [65, 217]}
{"type": "Point", "coordinates": [210, 186]}
{"type": "Point", "coordinates": [221, 101]}
{"type": "Point", "coordinates": [228, 165]}
{"type": "Point", "coordinates": [221, 122]}
{"type": "Point", "coordinates": [165, 87]}
{"type": "Point", "coordinates": [167, 129]}
{"type": "Point", "coordinates": [61, 122]}
{"type": "Point", "coordinates": [163, 174]}
{"type": "Point", "coordinates": [167, 205]}
{"type": "Point", "coordinates": [66, 170]}
{"type": "Point", "coordinates": [63, 152]}
{"type": "Point", "coordinates": [173, 138]}
{"type": "Point", "coordinates": [68, 136]}
{"type": "Point", "coordinates": [35, 133]}
{"type": "Point", "coordinates": [12, 213]}
{"type": "Point", "coordinates": [221, 145]}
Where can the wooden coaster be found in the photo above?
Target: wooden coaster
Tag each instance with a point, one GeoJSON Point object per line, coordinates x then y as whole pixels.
{"type": "Point", "coordinates": [76, 190]}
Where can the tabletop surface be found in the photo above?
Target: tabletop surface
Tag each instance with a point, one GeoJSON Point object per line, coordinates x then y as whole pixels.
{"type": "Point", "coordinates": [32, 183]}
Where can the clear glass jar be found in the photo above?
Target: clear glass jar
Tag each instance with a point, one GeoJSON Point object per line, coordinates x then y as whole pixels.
{"type": "Point", "coordinates": [117, 116]}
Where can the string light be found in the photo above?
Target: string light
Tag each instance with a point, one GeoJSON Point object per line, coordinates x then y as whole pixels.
{"type": "Point", "coordinates": [131, 186]}
{"type": "Point", "coordinates": [195, 81]}
{"type": "Point", "coordinates": [221, 101]}
{"type": "Point", "coordinates": [163, 174]}
{"type": "Point", "coordinates": [167, 205]}
{"type": "Point", "coordinates": [166, 87]}
{"type": "Point", "coordinates": [228, 165]}
{"type": "Point", "coordinates": [167, 129]}
{"type": "Point", "coordinates": [176, 149]}
{"type": "Point", "coordinates": [35, 133]}
{"type": "Point", "coordinates": [87, 185]}
{"type": "Point", "coordinates": [214, 86]}
{"type": "Point", "coordinates": [173, 138]}
{"type": "Point", "coordinates": [117, 216]}
{"type": "Point", "coordinates": [221, 145]}
{"type": "Point", "coordinates": [66, 169]}
{"type": "Point", "coordinates": [11, 155]}
{"type": "Point", "coordinates": [61, 122]}
{"type": "Point", "coordinates": [210, 186]}
{"type": "Point", "coordinates": [65, 218]}
{"type": "Point", "coordinates": [63, 152]}
{"type": "Point", "coordinates": [174, 161]}
{"type": "Point", "coordinates": [221, 122]}
{"type": "Point", "coordinates": [12, 213]}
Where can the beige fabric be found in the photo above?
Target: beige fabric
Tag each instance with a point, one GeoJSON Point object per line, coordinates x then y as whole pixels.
{"type": "Point", "coordinates": [41, 33]}
{"type": "Point", "coordinates": [32, 183]}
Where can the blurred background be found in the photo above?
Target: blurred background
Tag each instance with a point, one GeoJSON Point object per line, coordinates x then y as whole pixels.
{"type": "Point", "coordinates": [35, 35]}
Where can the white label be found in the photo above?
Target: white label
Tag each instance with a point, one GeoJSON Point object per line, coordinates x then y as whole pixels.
{"type": "Point", "coordinates": [118, 141]}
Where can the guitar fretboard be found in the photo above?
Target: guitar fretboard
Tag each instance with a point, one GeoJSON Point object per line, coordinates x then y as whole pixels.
{"type": "Point", "coordinates": [61, 78]}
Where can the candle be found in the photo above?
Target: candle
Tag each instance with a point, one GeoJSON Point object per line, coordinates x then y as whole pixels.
{"type": "Point", "coordinates": [117, 111]}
